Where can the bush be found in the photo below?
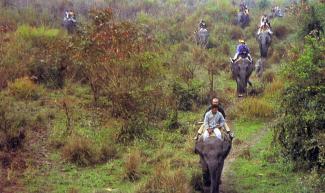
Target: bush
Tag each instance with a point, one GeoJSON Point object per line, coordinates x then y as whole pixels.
{"type": "Point", "coordinates": [280, 31]}
{"type": "Point", "coordinates": [80, 150]}
{"type": "Point", "coordinates": [12, 126]}
{"type": "Point", "coordinates": [107, 152]}
{"type": "Point", "coordinates": [133, 128]}
{"type": "Point", "coordinates": [172, 122]}
{"type": "Point", "coordinates": [187, 95]}
{"type": "Point", "coordinates": [167, 181]}
{"type": "Point", "coordinates": [24, 88]}
{"type": "Point", "coordinates": [132, 166]}
{"type": "Point", "coordinates": [300, 127]}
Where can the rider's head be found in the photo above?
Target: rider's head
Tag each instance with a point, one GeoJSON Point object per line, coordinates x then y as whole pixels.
{"type": "Point", "coordinates": [242, 41]}
{"type": "Point", "coordinates": [214, 109]}
{"type": "Point", "coordinates": [215, 101]}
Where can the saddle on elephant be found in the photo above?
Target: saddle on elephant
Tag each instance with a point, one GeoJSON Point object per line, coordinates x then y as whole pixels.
{"type": "Point", "coordinates": [264, 28]}
{"type": "Point", "coordinates": [225, 134]}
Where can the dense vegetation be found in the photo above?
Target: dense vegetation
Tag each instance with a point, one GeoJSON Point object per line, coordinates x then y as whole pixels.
{"type": "Point", "coordinates": [111, 107]}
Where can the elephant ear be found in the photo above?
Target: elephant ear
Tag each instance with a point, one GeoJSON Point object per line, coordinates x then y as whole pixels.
{"type": "Point", "coordinates": [225, 149]}
{"type": "Point", "coordinates": [199, 147]}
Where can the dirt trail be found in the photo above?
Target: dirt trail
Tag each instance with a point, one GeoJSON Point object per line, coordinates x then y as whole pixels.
{"type": "Point", "coordinates": [239, 148]}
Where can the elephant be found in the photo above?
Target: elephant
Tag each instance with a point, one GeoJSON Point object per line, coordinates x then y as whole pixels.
{"type": "Point", "coordinates": [241, 71]}
{"type": "Point", "coordinates": [70, 25]}
{"type": "Point", "coordinates": [264, 39]}
{"type": "Point", "coordinates": [260, 66]}
{"type": "Point", "coordinates": [202, 38]}
{"type": "Point", "coordinates": [212, 151]}
{"type": "Point", "coordinates": [276, 13]}
{"type": "Point", "coordinates": [243, 19]}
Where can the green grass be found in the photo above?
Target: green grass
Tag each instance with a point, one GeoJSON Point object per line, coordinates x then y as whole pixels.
{"type": "Point", "coordinates": [245, 129]}
{"type": "Point", "coordinates": [264, 172]}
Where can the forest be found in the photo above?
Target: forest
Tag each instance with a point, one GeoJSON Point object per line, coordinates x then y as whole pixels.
{"type": "Point", "coordinates": [104, 96]}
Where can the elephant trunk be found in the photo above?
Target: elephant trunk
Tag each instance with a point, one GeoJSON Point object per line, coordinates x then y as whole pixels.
{"type": "Point", "coordinates": [214, 179]}
{"type": "Point", "coordinates": [264, 45]}
{"type": "Point", "coordinates": [242, 82]}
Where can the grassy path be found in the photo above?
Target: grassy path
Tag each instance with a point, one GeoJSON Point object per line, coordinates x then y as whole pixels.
{"type": "Point", "coordinates": [239, 148]}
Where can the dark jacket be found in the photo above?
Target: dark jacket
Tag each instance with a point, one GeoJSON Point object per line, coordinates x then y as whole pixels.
{"type": "Point", "coordinates": [220, 109]}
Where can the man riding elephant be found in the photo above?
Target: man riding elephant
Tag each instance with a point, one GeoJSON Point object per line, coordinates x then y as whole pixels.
{"type": "Point", "coordinates": [202, 24]}
{"type": "Point", "coordinates": [69, 21]}
{"type": "Point", "coordinates": [264, 28]}
{"type": "Point", "coordinates": [213, 150]}
{"type": "Point", "coordinates": [242, 51]}
{"type": "Point", "coordinates": [242, 68]}
{"type": "Point", "coordinates": [202, 35]}
{"type": "Point", "coordinates": [214, 101]}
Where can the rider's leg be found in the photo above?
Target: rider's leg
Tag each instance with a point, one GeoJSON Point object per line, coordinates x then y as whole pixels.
{"type": "Point", "coordinates": [226, 127]}
{"type": "Point", "coordinates": [200, 132]}
{"type": "Point", "coordinates": [235, 57]}
{"type": "Point", "coordinates": [217, 133]}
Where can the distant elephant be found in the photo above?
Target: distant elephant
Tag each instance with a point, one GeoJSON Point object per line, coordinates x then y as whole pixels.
{"type": "Point", "coordinates": [243, 19]}
{"type": "Point", "coordinates": [276, 13]}
{"type": "Point", "coordinates": [264, 39]}
{"type": "Point", "coordinates": [260, 66]}
{"type": "Point", "coordinates": [70, 25]}
{"type": "Point", "coordinates": [202, 38]}
{"type": "Point", "coordinates": [213, 152]}
{"type": "Point", "coordinates": [241, 71]}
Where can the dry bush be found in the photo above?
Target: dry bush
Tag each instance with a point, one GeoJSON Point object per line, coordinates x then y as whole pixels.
{"type": "Point", "coordinates": [12, 126]}
{"type": "Point", "coordinates": [107, 152]}
{"type": "Point", "coordinates": [236, 33]}
{"type": "Point", "coordinates": [24, 88]}
{"type": "Point", "coordinates": [275, 87]}
{"type": "Point", "coordinates": [268, 76]}
{"type": "Point", "coordinates": [251, 108]}
{"type": "Point", "coordinates": [80, 150]}
{"type": "Point", "coordinates": [167, 181]}
{"type": "Point", "coordinates": [280, 31]}
{"type": "Point", "coordinates": [196, 181]}
{"type": "Point", "coordinates": [132, 166]}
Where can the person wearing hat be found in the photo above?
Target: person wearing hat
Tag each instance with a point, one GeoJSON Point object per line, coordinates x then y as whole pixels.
{"type": "Point", "coordinates": [202, 24]}
{"type": "Point", "coordinates": [242, 50]}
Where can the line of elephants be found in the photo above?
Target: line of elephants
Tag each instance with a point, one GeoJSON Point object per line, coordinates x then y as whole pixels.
{"type": "Point", "coordinates": [242, 69]}
{"type": "Point", "coordinates": [214, 151]}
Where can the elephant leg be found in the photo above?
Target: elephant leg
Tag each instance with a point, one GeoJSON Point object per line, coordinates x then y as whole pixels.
{"type": "Point", "coordinates": [206, 177]}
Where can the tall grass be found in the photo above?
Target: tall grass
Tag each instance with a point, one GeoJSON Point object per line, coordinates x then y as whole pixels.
{"type": "Point", "coordinates": [253, 108]}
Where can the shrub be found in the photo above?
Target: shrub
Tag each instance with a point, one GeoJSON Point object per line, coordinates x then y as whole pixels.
{"type": "Point", "coordinates": [268, 76]}
{"type": "Point", "coordinates": [172, 122]}
{"type": "Point", "coordinates": [24, 88]}
{"type": "Point", "coordinates": [167, 181]}
{"type": "Point", "coordinates": [132, 165]}
{"type": "Point", "coordinates": [107, 152]}
{"type": "Point", "coordinates": [280, 31]}
{"type": "Point", "coordinates": [300, 128]}
{"type": "Point", "coordinates": [12, 126]}
{"type": "Point", "coordinates": [80, 150]}
{"type": "Point", "coordinates": [133, 128]}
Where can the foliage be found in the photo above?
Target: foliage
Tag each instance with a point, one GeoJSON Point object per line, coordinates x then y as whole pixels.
{"type": "Point", "coordinates": [301, 120]}
{"type": "Point", "coordinates": [132, 164]}
{"type": "Point", "coordinates": [12, 126]}
{"type": "Point", "coordinates": [166, 180]}
{"type": "Point", "coordinates": [262, 4]}
{"type": "Point", "coordinates": [24, 88]}
{"type": "Point", "coordinates": [80, 150]}
{"type": "Point", "coordinates": [134, 128]}
{"type": "Point", "coordinates": [27, 54]}
{"type": "Point", "coordinates": [252, 107]}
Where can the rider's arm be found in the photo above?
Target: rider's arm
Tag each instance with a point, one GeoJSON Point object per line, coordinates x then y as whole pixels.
{"type": "Point", "coordinates": [221, 120]}
{"type": "Point", "coordinates": [206, 121]}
